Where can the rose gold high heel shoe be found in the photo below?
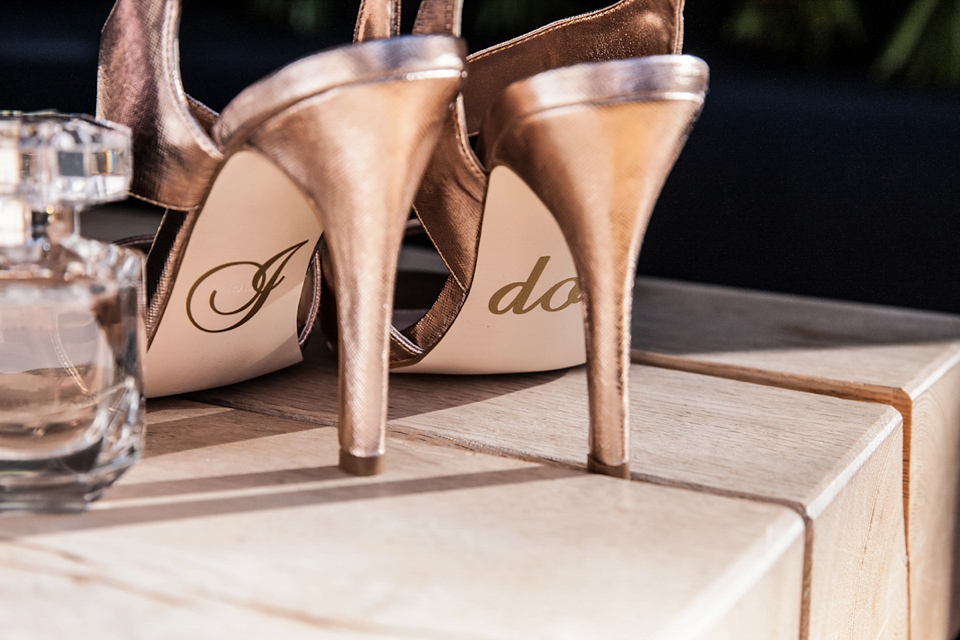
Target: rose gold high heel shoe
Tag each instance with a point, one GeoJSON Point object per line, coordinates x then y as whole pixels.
{"type": "Point", "coordinates": [541, 236]}
{"type": "Point", "coordinates": [331, 144]}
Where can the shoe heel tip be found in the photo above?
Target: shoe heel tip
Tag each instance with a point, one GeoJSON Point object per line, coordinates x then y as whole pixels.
{"type": "Point", "coordinates": [621, 471]}
{"type": "Point", "coordinates": [360, 466]}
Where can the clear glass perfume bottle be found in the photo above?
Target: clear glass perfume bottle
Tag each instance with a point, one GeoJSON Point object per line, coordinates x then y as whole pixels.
{"type": "Point", "coordinates": [71, 328]}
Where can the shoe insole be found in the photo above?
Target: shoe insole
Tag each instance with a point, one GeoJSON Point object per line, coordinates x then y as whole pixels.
{"type": "Point", "coordinates": [232, 312]}
{"type": "Point", "coordinates": [523, 312]}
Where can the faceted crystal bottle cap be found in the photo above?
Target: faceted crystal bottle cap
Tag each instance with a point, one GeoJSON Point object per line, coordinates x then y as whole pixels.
{"type": "Point", "coordinates": [51, 160]}
{"type": "Point", "coordinates": [52, 164]}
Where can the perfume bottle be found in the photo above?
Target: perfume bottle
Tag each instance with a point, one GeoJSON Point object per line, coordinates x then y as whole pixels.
{"type": "Point", "coordinates": [71, 323]}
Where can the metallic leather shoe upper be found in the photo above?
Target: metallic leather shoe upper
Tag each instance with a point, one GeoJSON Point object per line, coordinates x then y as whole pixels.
{"type": "Point", "coordinates": [139, 85]}
{"type": "Point", "coordinates": [627, 29]}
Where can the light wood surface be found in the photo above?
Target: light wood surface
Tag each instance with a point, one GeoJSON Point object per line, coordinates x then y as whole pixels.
{"type": "Point", "coordinates": [840, 348]}
{"type": "Point", "coordinates": [909, 360]}
{"type": "Point", "coordinates": [239, 525]}
{"type": "Point", "coordinates": [836, 463]}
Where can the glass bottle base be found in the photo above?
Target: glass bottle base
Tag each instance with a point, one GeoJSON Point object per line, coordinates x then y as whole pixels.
{"type": "Point", "coordinates": [55, 486]}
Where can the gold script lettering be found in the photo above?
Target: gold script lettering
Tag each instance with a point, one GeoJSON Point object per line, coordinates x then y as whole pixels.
{"type": "Point", "coordinates": [265, 279]}
{"type": "Point", "coordinates": [525, 289]}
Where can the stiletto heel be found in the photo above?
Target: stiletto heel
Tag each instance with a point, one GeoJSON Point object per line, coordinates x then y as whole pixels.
{"type": "Point", "coordinates": [332, 144]}
{"type": "Point", "coordinates": [595, 143]}
{"type": "Point", "coordinates": [363, 201]}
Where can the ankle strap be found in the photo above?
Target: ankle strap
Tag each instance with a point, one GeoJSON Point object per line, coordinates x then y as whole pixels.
{"type": "Point", "coordinates": [625, 29]}
{"type": "Point", "coordinates": [377, 19]}
{"type": "Point", "coordinates": [381, 18]}
{"type": "Point", "coordinates": [439, 16]}
{"type": "Point", "coordinates": [138, 85]}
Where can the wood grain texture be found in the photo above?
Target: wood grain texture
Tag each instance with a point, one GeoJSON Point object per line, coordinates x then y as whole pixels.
{"type": "Point", "coordinates": [259, 535]}
{"type": "Point", "coordinates": [766, 596]}
{"type": "Point", "coordinates": [933, 501]}
{"type": "Point", "coordinates": [812, 453]}
{"type": "Point", "coordinates": [889, 350]}
{"type": "Point", "coordinates": [872, 599]}
{"type": "Point", "coordinates": [907, 359]}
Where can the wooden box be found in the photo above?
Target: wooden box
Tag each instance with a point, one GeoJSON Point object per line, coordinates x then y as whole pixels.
{"type": "Point", "coordinates": [908, 360]}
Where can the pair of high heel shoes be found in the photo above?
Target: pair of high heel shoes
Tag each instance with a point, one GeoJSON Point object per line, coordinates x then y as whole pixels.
{"type": "Point", "coordinates": [579, 124]}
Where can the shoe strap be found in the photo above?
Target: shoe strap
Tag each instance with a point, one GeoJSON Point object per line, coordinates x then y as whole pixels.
{"type": "Point", "coordinates": [139, 86]}
{"type": "Point", "coordinates": [626, 29]}
{"type": "Point", "coordinates": [377, 19]}
{"type": "Point", "coordinates": [381, 18]}
{"type": "Point", "coordinates": [439, 16]}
